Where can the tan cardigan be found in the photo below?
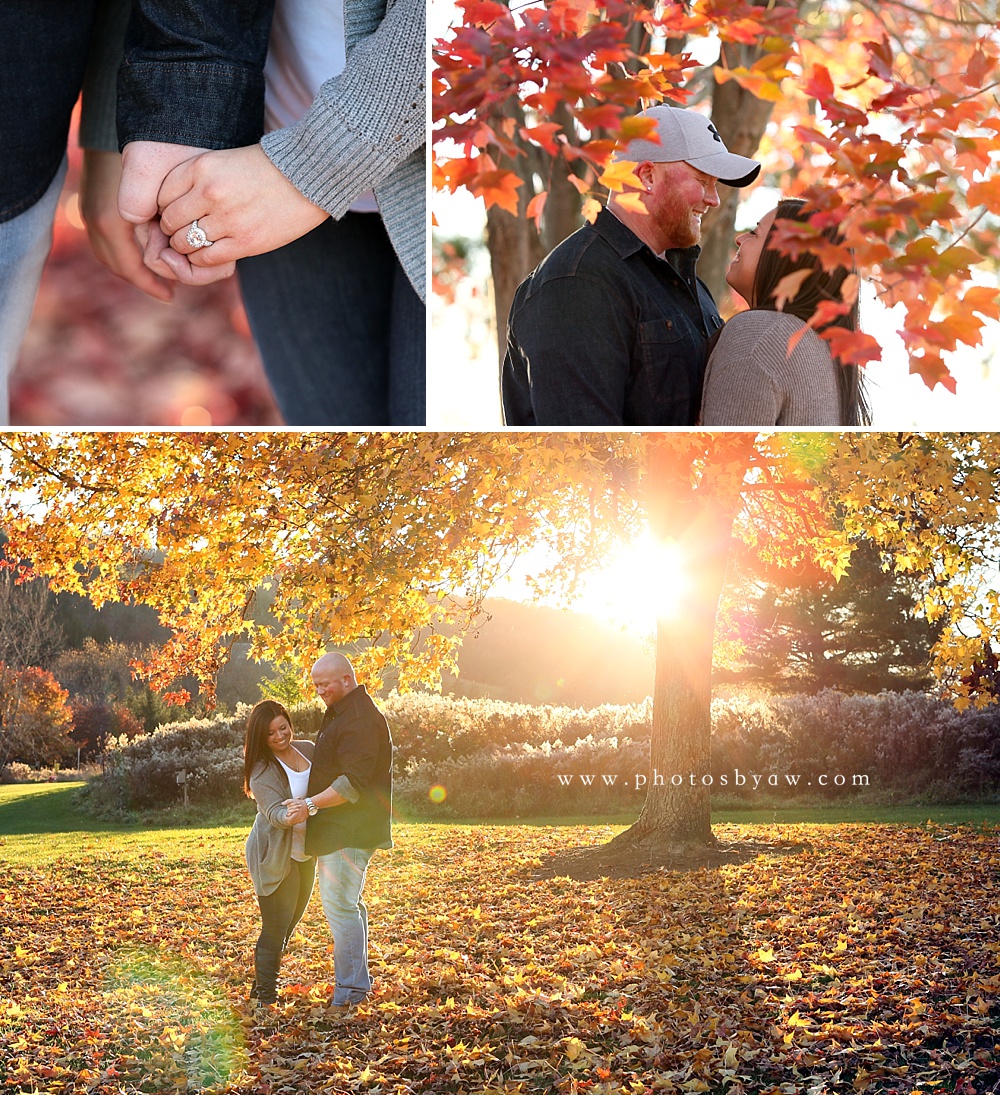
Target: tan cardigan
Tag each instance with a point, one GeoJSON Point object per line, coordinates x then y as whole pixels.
{"type": "Point", "coordinates": [269, 845]}
{"type": "Point", "coordinates": [752, 379]}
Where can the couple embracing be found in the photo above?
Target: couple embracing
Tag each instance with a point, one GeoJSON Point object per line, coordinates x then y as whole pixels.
{"type": "Point", "coordinates": [614, 327]}
{"type": "Point", "coordinates": [322, 809]}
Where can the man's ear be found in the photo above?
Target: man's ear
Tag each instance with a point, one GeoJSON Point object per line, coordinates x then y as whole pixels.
{"type": "Point", "coordinates": [644, 172]}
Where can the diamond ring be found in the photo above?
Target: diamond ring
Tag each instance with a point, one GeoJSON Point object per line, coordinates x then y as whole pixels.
{"type": "Point", "coordinates": [196, 236]}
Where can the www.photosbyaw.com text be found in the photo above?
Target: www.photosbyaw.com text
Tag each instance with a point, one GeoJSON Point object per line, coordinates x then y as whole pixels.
{"type": "Point", "coordinates": [752, 781]}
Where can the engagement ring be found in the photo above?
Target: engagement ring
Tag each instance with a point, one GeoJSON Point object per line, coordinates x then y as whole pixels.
{"type": "Point", "coordinates": [196, 236]}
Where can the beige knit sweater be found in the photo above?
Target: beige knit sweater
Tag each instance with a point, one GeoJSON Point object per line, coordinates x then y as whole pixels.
{"type": "Point", "coordinates": [752, 380]}
{"type": "Point", "coordinates": [269, 845]}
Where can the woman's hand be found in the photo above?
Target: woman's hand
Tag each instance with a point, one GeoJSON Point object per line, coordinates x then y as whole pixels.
{"type": "Point", "coordinates": [295, 810]}
{"type": "Point", "coordinates": [144, 166]}
{"type": "Point", "coordinates": [242, 202]}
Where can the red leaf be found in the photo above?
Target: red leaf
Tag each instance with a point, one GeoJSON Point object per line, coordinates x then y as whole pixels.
{"type": "Point", "coordinates": [880, 59]}
{"type": "Point", "coordinates": [606, 116]}
{"type": "Point", "coordinates": [535, 208]}
{"type": "Point", "coordinates": [482, 12]}
{"type": "Point", "coordinates": [497, 188]}
{"type": "Point", "coordinates": [979, 67]}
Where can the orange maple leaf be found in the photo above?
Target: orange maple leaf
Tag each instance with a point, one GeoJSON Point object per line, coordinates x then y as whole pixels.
{"type": "Point", "coordinates": [497, 188]}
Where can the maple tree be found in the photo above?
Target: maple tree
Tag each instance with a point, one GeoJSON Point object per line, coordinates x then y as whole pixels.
{"type": "Point", "coordinates": [36, 717]}
{"type": "Point", "coordinates": [881, 115]}
{"type": "Point", "coordinates": [379, 541]}
{"type": "Point", "coordinates": [29, 637]}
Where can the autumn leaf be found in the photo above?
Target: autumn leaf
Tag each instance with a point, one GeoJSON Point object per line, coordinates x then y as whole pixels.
{"type": "Point", "coordinates": [557, 984]}
{"type": "Point", "coordinates": [621, 174]}
{"type": "Point", "coordinates": [986, 193]}
{"type": "Point", "coordinates": [979, 68]}
{"type": "Point", "coordinates": [633, 203]}
{"type": "Point", "coordinates": [788, 288]}
{"type": "Point", "coordinates": [543, 134]}
{"type": "Point", "coordinates": [497, 188]}
{"type": "Point", "coordinates": [536, 206]}
{"type": "Point", "coordinates": [591, 208]}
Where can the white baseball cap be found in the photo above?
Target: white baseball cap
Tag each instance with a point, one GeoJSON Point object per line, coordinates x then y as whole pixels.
{"type": "Point", "coordinates": [689, 136]}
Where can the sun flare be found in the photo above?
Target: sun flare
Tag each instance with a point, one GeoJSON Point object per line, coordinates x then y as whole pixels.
{"type": "Point", "coordinates": [643, 581]}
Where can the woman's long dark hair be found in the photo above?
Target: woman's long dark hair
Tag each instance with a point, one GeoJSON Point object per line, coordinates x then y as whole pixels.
{"type": "Point", "coordinates": [819, 286]}
{"type": "Point", "coordinates": [255, 747]}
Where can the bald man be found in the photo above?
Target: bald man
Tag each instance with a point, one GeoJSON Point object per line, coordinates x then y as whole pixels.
{"type": "Point", "coordinates": [349, 804]}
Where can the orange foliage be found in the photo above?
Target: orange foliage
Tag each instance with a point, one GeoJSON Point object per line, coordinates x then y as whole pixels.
{"type": "Point", "coordinates": [884, 119]}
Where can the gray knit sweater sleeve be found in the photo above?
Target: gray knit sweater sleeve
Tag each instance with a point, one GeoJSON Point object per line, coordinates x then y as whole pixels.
{"type": "Point", "coordinates": [753, 381]}
{"type": "Point", "coordinates": [364, 122]}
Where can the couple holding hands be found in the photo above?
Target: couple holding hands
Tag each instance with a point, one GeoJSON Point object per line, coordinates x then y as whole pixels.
{"type": "Point", "coordinates": [322, 809]}
{"type": "Point", "coordinates": [280, 139]}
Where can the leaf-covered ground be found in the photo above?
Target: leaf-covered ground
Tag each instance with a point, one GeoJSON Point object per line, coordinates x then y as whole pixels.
{"type": "Point", "coordinates": [868, 962]}
{"type": "Point", "coordinates": [100, 353]}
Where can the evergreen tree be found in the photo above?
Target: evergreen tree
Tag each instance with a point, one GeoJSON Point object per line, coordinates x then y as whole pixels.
{"type": "Point", "coordinates": [803, 631]}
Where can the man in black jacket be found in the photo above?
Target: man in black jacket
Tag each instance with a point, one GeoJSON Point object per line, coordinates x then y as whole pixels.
{"type": "Point", "coordinates": [349, 804]}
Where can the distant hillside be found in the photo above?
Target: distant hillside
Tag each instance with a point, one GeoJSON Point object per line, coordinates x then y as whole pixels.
{"type": "Point", "coordinates": [534, 654]}
{"type": "Point", "coordinates": [522, 653]}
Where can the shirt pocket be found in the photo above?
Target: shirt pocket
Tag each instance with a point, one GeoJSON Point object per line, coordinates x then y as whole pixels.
{"type": "Point", "coordinates": [668, 359]}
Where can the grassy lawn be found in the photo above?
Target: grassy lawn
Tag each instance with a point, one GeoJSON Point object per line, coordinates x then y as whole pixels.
{"type": "Point", "coordinates": [868, 962]}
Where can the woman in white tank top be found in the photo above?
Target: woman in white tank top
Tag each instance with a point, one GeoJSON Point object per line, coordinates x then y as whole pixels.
{"type": "Point", "coordinates": [276, 769]}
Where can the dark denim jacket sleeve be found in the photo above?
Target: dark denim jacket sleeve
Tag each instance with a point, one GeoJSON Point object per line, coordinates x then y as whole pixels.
{"type": "Point", "coordinates": [193, 72]}
{"type": "Point", "coordinates": [572, 343]}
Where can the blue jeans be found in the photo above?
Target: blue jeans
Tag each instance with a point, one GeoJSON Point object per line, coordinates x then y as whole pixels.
{"type": "Point", "coordinates": [25, 242]}
{"type": "Point", "coordinates": [339, 327]}
{"type": "Point", "coordinates": [341, 879]}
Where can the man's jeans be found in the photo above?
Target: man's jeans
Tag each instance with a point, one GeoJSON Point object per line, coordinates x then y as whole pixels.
{"type": "Point", "coordinates": [339, 327]}
{"type": "Point", "coordinates": [25, 242]}
{"type": "Point", "coordinates": [341, 878]}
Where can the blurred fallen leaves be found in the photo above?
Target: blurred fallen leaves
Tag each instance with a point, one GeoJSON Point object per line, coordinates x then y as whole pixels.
{"type": "Point", "coordinates": [868, 963]}
{"type": "Point", "coordinates": [100, 353]}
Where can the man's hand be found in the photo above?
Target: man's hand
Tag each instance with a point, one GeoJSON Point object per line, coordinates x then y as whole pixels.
{"type": "Point", "coordinates": [242, 202]}
{"type": "Point", "coordinates": [144, 167]}
{"type": "Point", "coordinates": [112, 238]}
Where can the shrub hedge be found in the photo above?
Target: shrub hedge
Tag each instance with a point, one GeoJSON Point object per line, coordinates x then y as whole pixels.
{"type": "Point", "coordinates": [483, 758]}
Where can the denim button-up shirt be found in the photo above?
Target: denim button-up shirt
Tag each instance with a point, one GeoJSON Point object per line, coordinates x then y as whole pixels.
{"type": "Point", "coordinates": [43, 53]}
{"type": "Point", "coordinates": [605, 333]}
{"type": "Point", "coordinates": [193, 73]}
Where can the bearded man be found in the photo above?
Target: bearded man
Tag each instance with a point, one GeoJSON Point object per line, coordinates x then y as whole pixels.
{"type": "Point", "coordinates": [612, 327]}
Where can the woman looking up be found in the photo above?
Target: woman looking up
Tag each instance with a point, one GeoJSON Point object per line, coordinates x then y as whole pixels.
{"type": "Point", "coordinates": [752, 378]}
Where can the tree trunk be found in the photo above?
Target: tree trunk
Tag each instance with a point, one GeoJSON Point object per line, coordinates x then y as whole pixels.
{"type": "Point", "coordinates": [741, 119]}
{"type": "Point", "coordinates": [515, 250]}
{"type": "Point", "coordinates": [698, 517]}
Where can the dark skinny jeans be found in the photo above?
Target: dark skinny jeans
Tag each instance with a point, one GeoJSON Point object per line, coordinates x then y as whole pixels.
{"type": "Point", "coordinates": [280, 911]}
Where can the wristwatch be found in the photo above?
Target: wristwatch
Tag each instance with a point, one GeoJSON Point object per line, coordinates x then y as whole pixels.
{"type": "Point", "coordinates": [312, 807]}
